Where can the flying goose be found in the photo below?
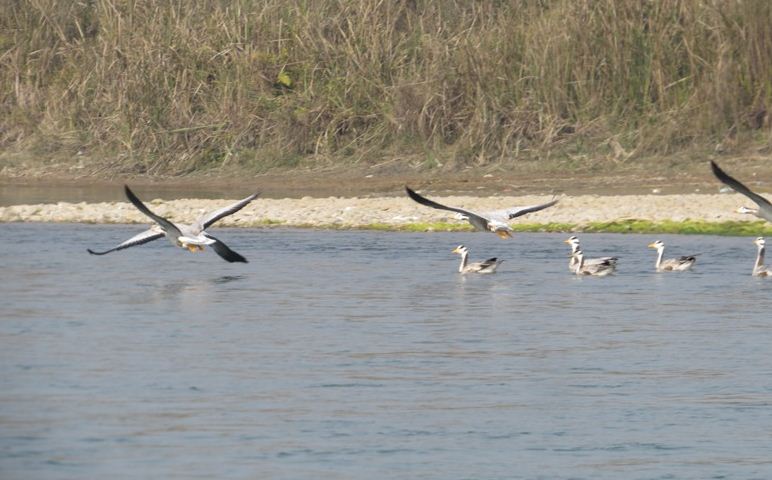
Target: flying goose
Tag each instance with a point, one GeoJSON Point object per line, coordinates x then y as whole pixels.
{"type": "Point", "coordinates": [480, 222]}
{"type": "Point", "coordinates": [192, 237]}
{"type": "Point", "coordinates": [765, 208]}
{"type": "Point", "coordinates": [486, 266]}
{"type": "Point", "coordinates": [574, 242]}
{"type": "Point", "coordinates": [671, 264]}
{"type": "Point", "coordinates": [759, 269]}
{"type": "Point", "coordinates": [600, 269]}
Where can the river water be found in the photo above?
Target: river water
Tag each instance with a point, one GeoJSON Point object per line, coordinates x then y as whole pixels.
{"type": "Point", "coordinates": [353, 355]}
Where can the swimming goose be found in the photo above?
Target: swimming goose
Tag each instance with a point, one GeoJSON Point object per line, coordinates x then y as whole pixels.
{"type": "Point", "coordinates": [574, 242]}
{"type": "Point", "coordinates": [759, 269]}
{"type": "Point", "coordinates": [600, 269]}
{"type": "Point", "coordinates": [765, 208]}
{"type": "Point", "coordinates": [481, 222]}
{"type": "Point", "coordinates": [671, 264]}
{"type": "Point", "coordinates": [486, 266]}
{"type": "Point", "coordinates": [193, 237]}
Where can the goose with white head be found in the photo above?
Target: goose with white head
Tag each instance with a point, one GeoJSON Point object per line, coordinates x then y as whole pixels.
{"type": "Point", "coordinates": [573, 241]}
{"type": "Point", "coordinates": [485, 223]}
{"type": "Point", "coordinates": [678, 264]}
{"type": "Point", "coordinates": [597, 269]}
{"type": "Point", "coordinates": [192, 237]}
{"type": "Point", "coordinates": [486, 266]}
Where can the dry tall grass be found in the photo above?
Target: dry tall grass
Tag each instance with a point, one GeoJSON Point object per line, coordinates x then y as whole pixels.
{"type": "Point", "coordinates": [181, 85]}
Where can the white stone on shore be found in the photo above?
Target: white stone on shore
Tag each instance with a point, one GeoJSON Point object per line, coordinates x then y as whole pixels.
{"type": "Point", "coordinates": [357, 212]}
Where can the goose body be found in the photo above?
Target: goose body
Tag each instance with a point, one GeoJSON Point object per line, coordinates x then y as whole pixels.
{"type": "Point", "coordinates": [759, 269]}
{"type": "Point", "coordinates": [573, 241]}
{"type": "Point", "coordinates": [679, 264]}
{"type": "Point", "coordinates": [600, 268]}
{"type": "Point", "coordinates": [485, 223]}
{"type": "Point", "coordinates": [486, 266]}
{"type": "Point", "coordinates": [193, 237]}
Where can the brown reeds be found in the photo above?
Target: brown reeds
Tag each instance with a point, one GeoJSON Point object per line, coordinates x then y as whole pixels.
{"type": "Point", "coordinates": [179, 86]}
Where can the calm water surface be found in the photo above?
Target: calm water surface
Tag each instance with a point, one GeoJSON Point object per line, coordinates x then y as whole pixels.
{"type": "Point", "coordinates": [353, 355]}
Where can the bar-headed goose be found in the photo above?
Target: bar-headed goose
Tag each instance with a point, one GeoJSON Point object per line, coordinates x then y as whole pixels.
{"type": "Point", "coordinates": [483, 222]}
{"type": "Point", "coordinates": [486, 266]}
{"type": "Point", "coordinates": [671, 264]}
{"type": "Point", "coordinates": [573, 241]}
{"type": "Point", "coordinates": [600, 269]}
{"type": "Point", "coordinates": [192, 237]}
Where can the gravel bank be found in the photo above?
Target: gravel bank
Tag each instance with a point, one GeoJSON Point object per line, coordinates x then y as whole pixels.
{"type": "Point", "coordinates": [396, 211]}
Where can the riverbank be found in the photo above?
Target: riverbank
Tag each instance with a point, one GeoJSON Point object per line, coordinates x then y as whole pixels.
{"type": "Point", "coordinates": [678, 213]}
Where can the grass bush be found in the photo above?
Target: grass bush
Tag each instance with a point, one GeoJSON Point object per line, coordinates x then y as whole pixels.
{"type": "Point", "coordinates": [174, 87]}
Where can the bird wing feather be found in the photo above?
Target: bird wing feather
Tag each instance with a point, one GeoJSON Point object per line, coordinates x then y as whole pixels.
{"type": "Point", "coordinates": [475, 219]}
{"type": "Point", "coordinates": [765, 207]}
{"type": "Point", "coordinates": [210, 218]}
{"type": "Point", "coordinates": [168, 226]}
{"type": "Point", "coordinates": [520, 211]}
{"type": "Point", "coordinates": [224, 252]}
{"type": "Point", "coordinates": [148, 235]}
{"type": "Point", "coordinates": [488, 263]}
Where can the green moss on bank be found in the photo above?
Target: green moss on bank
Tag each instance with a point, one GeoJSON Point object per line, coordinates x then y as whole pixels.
{"type": "Point", "coordinates": [687, 227]}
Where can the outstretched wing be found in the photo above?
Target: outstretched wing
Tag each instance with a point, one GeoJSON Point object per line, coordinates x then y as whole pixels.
{"type": "Point", "coordinates": [168, 226]}
{"type": "Point", "coordinates": [765, 208]}
{"type": "Point", "coordinates": [476, 220]}
{"type": "Point", "coordinates": [153, 233]}
{"type": "Point", "coordinates": [517, 212]}
{"type": "Point", "coordinates": [224, 252]}
{"type": "Point", "coordinates": [210, 218]}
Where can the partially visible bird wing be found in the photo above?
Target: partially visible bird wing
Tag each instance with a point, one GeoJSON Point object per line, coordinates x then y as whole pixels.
{"type": "Point", "coordinates": [210, 218]}
{"type": "Point", "coordinates": [224, 252]}
{"type": "Point", "coordinates": [477, 220]}
{"type": "Point", "coordinates": [153, 233]}
{"type": "Point", "coordinates": [609, 261]}
{"type": "Point", "coordinates": [488, 263]}
{"type": "Point", "coordinates": [765, 208]}
{"type": "Point", "coordinates": [672, 263]}
{"type": "Point", "coordinates": [168, 226]}
{"type": "Point", "coordinates": [519, 211]}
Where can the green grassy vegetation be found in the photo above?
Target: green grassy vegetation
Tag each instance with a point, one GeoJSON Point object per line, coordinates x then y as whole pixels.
{"type": "Point", "coordinates": [625, 226]}
{"type": "Point", "coordinates": [687, 227]}
{"type": "Point", "coordinates": [145, 87]}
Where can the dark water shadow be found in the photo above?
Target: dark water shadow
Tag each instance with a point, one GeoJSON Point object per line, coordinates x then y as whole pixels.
{"type": "Point", "coordinates": [227, 279]}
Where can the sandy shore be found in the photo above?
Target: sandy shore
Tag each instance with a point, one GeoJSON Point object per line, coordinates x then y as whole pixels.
{"type": "Point", "coordinates": [396, 211]}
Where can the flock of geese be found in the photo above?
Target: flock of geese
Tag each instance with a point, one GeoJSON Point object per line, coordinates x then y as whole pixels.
{"type": "Point", "coordinates": [195, 238]}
